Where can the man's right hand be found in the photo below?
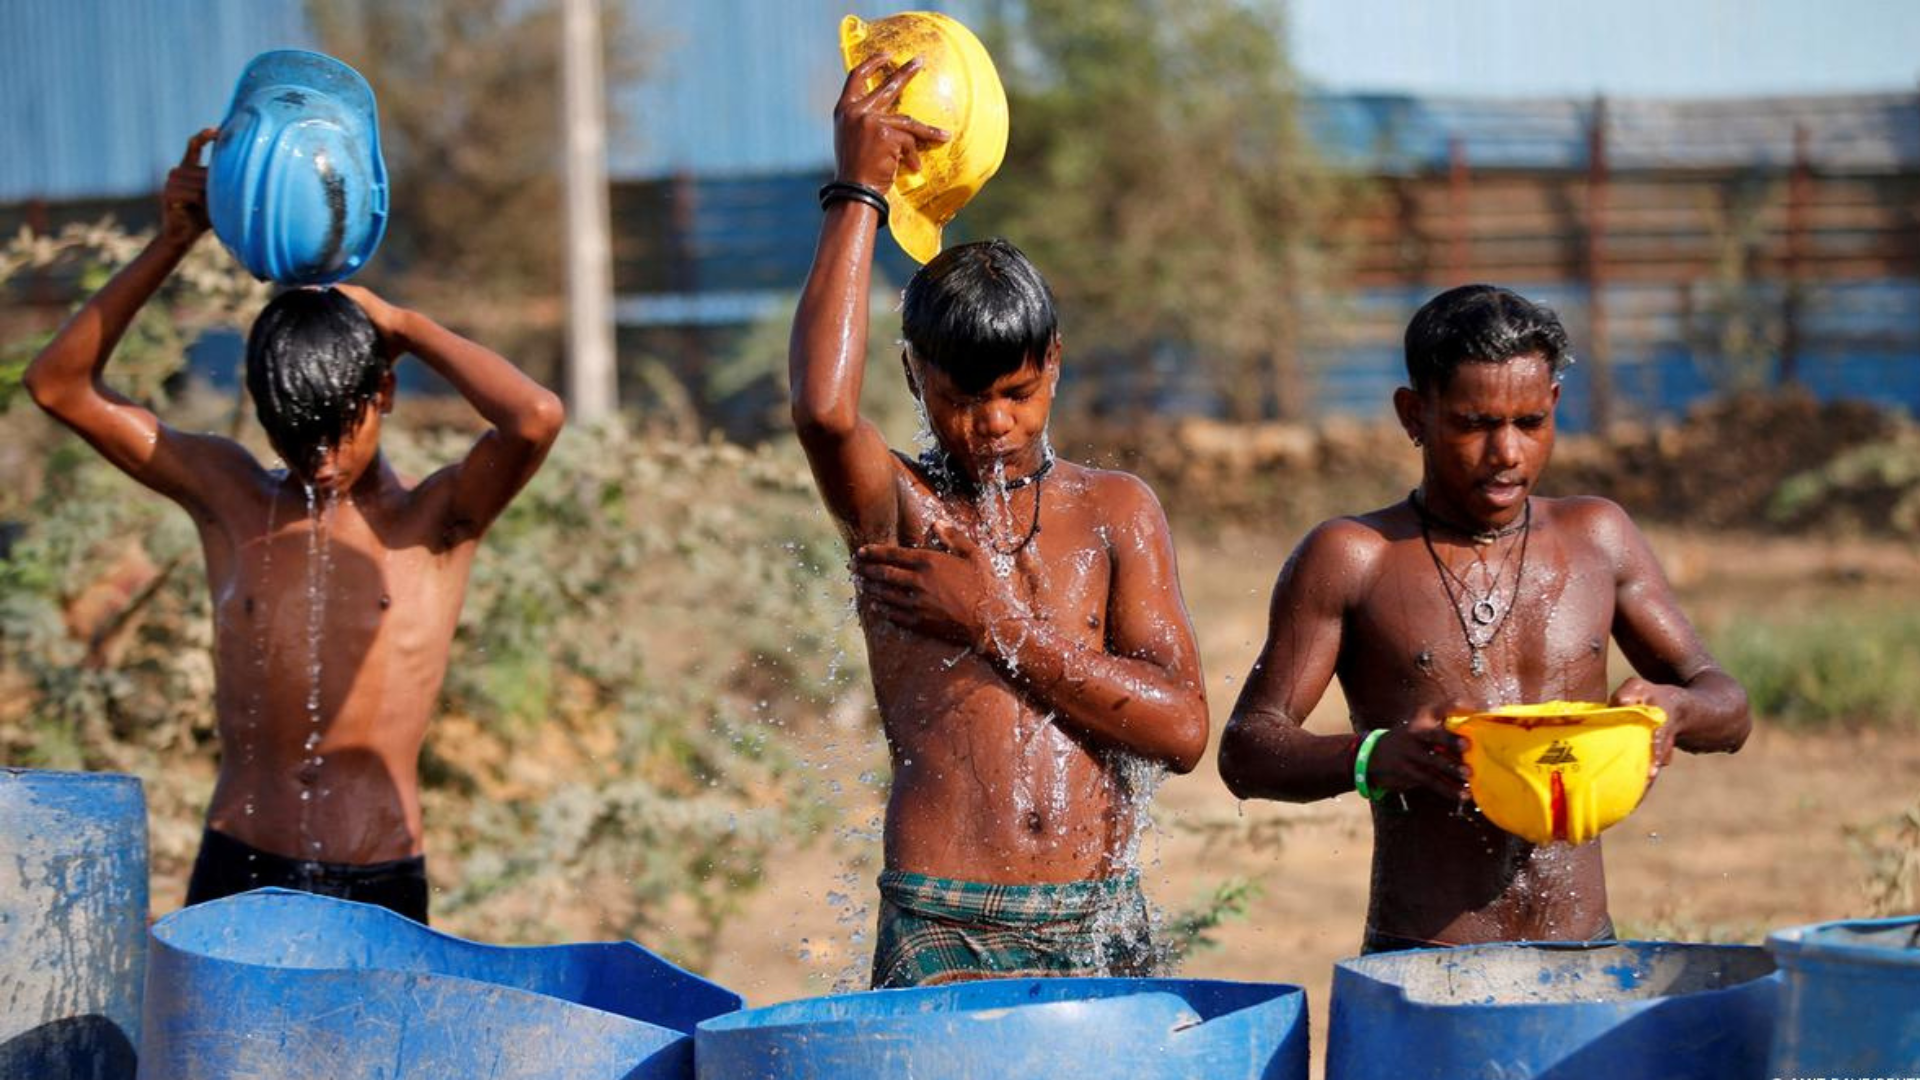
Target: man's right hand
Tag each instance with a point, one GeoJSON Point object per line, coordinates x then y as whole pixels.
{"type": "Point", "coordinates": [1422, 754]}
{"type": "Point", "coordinates": [183, 204]}
{"type": "Point", "coordinates": [872, 141]}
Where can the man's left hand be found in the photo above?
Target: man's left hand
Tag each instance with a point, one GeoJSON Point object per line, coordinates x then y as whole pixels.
{"type": "Point", "coordinates": [1669, 699]}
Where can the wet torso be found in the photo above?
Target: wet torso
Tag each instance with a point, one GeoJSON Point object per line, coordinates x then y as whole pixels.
{"type": "Point", "coordinates": [986, 786]}
{"type": "Point", "coordinates": [332, 624]}
{"type": "Point", "coordinates": [1444, 873]}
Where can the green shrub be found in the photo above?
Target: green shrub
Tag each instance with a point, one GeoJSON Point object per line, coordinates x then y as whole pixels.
{"type": "Point", "coordinates": [643, 628]}
{"type": "Point", "coordinates": [1855, 668]}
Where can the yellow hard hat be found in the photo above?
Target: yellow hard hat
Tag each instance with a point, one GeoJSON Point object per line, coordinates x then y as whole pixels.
{"type": "Point", "coordinates": [956, 90]}
{"type": "Point", "coordinates": [1560, 770]}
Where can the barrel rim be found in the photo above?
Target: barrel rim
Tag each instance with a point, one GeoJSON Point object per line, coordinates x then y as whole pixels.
{"type": "Point", "coordinates": [19, 773]}
{"type": "Point", "coordinates": [750, 1020]}
{"type": "Point", "coordinates": [1350, 968]}
{"type": "Point", "coordinates": [162, 929]}
{"type": "Point", "coordinates": [1798, 945]}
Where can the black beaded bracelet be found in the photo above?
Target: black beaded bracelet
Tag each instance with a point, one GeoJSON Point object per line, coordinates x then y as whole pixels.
{"type": "Point", "coordinates": [843, 189]}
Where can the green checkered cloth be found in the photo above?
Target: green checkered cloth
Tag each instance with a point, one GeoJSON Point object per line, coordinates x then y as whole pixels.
{"type": "Point", "coordinates": [937, 930]}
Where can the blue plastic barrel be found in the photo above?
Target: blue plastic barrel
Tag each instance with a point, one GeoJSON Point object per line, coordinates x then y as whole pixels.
{"type": "Point", "coordinates": [1019, 1029]}
{"type": "Point", "coordinates": [73, 923]}
{"type": "Point", "coordinates": [1634, 1010]}
{"type": "Point", "coordinates": [1850, 1005]}
{"type": "Point", "coordinates": [293, 986]}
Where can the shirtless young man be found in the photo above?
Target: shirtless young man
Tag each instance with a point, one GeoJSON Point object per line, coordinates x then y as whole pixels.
{"type": "Point", "coordinates": [1468, 594]}
{"type": "Point", "coordinates": [336, 583]}
{"type": "Point", "coordinates": [1032, 657]}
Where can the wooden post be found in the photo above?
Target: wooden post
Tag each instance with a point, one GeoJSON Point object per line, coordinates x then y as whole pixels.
{"type": "Point", "coordinates": [1600, 351]}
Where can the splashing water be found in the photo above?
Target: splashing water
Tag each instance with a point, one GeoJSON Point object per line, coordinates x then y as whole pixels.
{"type": "Point", "coordinates": [996, 519]}
{"type": "Point", "coordinates": [319, 571]}
{"type": "Point", "coordinates": [1136, 780]}
{"type": "Point", "coordinates": [923, 438]}
{"type": "Point", "coordinates": [1026, 725]}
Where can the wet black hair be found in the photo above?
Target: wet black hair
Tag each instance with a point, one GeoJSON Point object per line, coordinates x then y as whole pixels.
{"type": "Point", "coordinates": [314, 365]}
{"type": "Point", "coordinates": [1481, 324]}
{"type": "Point", "coordinates": [979, 312]}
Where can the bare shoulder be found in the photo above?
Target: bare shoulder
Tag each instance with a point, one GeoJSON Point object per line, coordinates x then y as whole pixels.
{"type": "Point", "coordinates": [1602, 522]}
{"type": "Point", "coordinates": [1354, 543]}
{"type": "Point", "coordinates": [225, 476]}
{"type": "Point", "coordinates": [1121, 491]}
{"type": "Point", "coordinates": [1118, 502]}
{"type": "Point", "coordinates": [215, 452]}
{"type": "Point", "coordinates": [426, 509]}
{"type": "Point", "coordinates": [1583, 512]}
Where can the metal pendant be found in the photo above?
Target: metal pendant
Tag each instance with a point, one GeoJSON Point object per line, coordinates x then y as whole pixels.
{"type": "Point", "coordinates": [1479, 664]}
{"type": "Point", "coordinates": [1484, 611]}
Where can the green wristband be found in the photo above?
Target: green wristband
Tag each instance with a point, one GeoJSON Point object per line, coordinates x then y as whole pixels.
{"type": "Point", "coordinates": [1360, 761]}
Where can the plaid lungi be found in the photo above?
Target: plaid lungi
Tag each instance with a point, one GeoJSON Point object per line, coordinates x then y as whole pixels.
{"type": "Point", "coordinates": [937, 930]}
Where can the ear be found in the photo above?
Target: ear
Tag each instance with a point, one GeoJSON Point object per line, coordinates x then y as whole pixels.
{"type": "Point", "coordinates": [1055, 353]}
{"type": "Point", "coordinates": [1410, 408]}
{"type": "Point", "coordinates": [913, 383]}
{"type": "Point", "coordinates": [386, 391]}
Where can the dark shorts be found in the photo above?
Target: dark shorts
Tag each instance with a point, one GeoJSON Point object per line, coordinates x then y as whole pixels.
{"type": "Point", "coordinates": [1378, 942]}
{"type": "Point", "coordinates": [937, 930]}
{"type": "Point", "coordinates": [226, 867]}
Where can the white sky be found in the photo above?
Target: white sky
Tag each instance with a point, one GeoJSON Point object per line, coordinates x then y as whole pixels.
{"type": "Point", "coordinates": [1624, 48]}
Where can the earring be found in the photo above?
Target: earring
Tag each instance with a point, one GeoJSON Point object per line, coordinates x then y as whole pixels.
{"type": "Point", "coordinates": [1417, 443]}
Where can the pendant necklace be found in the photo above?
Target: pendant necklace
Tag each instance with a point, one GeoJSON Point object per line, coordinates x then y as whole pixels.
{"type": "Point", "coordinates": [1484, 612]}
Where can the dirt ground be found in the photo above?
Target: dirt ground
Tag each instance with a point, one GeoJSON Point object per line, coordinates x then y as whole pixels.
{"type": "Point", "coordinates": [1724, 849]}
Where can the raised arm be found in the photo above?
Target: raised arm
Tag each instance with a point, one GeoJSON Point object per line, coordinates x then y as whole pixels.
{"type": "Point", "coordinates": [68, 377]}
{"type": "Point", "coordinates": [1142, 692]}
{"type": "Point", "coordinates": [1706, 707]}
{"type": "Point", "coordinates": [826, 357]}
{"type": "Point", "coordinates": [526, 416]}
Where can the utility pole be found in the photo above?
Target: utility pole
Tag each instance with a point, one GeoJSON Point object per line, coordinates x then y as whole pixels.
{"type": "Point", "coordinates": [593, 388]}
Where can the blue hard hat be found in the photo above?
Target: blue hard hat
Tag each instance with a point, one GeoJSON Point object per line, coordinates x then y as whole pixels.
{"type": "Point", "coordinates": [297, 189]}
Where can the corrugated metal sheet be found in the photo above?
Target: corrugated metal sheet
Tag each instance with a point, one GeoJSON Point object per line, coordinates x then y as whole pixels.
{"type": "Point", "coordinates": [102, 94]}
{"type": "Point", "coordinates": [1859, 133]}
{"type": "Point", "coordinates": [738, 89]}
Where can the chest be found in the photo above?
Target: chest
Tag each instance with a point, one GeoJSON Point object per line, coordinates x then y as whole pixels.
{"type": "Point", "coordinates": [340, 577]}
{"type": "Point", "coordinates": [1545, 604]}
{"type": "Point", "coordinates": [1042, 543]}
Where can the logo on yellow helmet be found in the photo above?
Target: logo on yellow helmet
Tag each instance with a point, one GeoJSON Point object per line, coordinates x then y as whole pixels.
{"type": "Point", "coordinates": [1559, 770]}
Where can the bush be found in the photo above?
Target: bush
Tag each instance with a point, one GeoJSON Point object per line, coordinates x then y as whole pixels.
{"type": "Point", "coordinates": [1853, 668]}
{"type": "Point", "coordinates": [642, 629]}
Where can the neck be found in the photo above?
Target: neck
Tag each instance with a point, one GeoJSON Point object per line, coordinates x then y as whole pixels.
{"type": "Point", "coordinates": [947, 471]}
{"type": "Point", "coordinates": [1445, 518]}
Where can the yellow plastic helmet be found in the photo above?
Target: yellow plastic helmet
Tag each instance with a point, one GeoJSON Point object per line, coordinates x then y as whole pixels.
{"type": "Point", "coordinates": [956, 90]}
{"type": "Point", "coordinates": [1560, 770]}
